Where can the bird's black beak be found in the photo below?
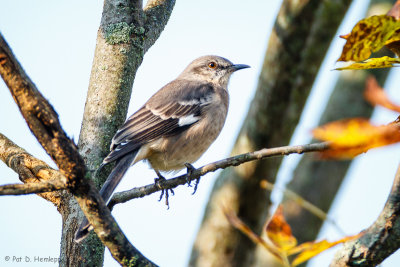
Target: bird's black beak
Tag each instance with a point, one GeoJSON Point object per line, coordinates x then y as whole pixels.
{"type": "Point", "coordinates": [236, 67]}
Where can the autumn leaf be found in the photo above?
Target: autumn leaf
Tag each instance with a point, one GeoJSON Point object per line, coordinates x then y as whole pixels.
{"type": "Point", "coordinates": [279, 231]}
{"type": "Point", "coordinates": [394, 43]}
{"type": "Point", "coordinates": [394, 47]}
{"type": "Point", "coordinates": [375, 95]}
{"type": "Point", "coordinates": [351, 137]}
{"type": "Point", "coordinates": [373, 63]}
{"type": "Point", "coordinates": [394, 38]}
{"type": "Point", "coordinates": [367, 36]}
{"type": "Point", "coordinates": [309, 250]}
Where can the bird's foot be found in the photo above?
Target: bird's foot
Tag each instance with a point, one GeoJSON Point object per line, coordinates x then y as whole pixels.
{"type": "Point", "coordinates": [190, 170]}
{"type": "Point", "coordinates": [160, 183]}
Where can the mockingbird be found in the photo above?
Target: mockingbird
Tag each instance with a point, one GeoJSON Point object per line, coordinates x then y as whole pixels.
{"type": "Point", "coordinates": [175, 126]}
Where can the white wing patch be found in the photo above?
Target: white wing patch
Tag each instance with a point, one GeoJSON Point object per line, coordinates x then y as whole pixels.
{"type": "Point", "coordinates": [189, 103]}
{"type": "Point", "coordinates": [187, 120]}
{"type": "Point", "coordinates": [202, 101]}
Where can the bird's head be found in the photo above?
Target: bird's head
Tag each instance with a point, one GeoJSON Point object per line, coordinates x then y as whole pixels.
{"type": "Point", "coordinates": [212, 69]}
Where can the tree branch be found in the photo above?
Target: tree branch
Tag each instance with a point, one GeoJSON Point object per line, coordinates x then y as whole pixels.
{"type": "Point", "coordinates": [40, 115]}
{"type": "Point", "coordinates": [122, 40]}
{"type": "Point", "coordinates": [302, 33]}
{"type": "Point", "coordinates": [380, 240]}
{"type": "Point", "coordinates": [346, 101]}
{"type": "Point", "coordinates": [157, 13]}
{"type": "Point", "coordinates": [124, 196]}
{"type": "Point", "coordinates": [44, 124]}
{"type": "Point", "coordinates": [30, 169]}
{"type": "Point", "coordinates": [32, 188]}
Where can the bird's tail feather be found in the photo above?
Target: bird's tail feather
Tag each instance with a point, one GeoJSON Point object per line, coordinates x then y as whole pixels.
{"type": "Point", "coordinates": [106, 191]}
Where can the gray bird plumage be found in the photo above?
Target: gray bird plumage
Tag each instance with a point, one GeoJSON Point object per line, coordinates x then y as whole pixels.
{"type": "Point", "coordinates": [175, 126]}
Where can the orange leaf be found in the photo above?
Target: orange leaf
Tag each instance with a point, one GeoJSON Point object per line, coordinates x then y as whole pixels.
{"type": "Point", "coordinates": [345, 36]}
{"type": "Point", "coordinates": [376, 96]}
{"type": "Point", "coordinates": [311, 249]}
{"type": "Point", "coordinates": [351, 137]}
{"type": "Point", "coordinates": [279, 231]}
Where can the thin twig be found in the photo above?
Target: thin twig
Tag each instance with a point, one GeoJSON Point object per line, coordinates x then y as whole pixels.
{"type": "Point", "coordinates": [304, 204]}
{"type": "Point", "coordinates": [30, 169]}
{"type": "Point", "coordinates": [32, 188]}
{"type": "Point", "coordinates": [139, 192]}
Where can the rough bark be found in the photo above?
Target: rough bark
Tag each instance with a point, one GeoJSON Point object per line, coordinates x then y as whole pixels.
{"type": "Point", "coordinates": [40, 116]}
{"type": "Point", "coordinates": [380, 240]}
{"type": "Point", "coordinates": [29, 169]}
{"type": "Point", "coordinates": [126, 32]}
{"type": "Point", "coordinates": [318, 181]}
{"type": "Point", "coordinates": [298, 43]}
{"type": "Point", "coordinates": [44, 124]}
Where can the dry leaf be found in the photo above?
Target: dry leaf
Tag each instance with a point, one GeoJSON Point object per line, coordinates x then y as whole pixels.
{"type": "Point", "coordinates": [351, 137]}
{"type": "Point", "coordinates": [367, 36]}
{"type": "Point", "coordinates": [375, 95]}
{"type": "Point", "coordinates": [373, 63]}
{"type": "Point", "coordinates": [311, 249]}
{"type": "Point", "coordinates": [279, 231]}
{"type": "Point", "coordinates": [394, 47]}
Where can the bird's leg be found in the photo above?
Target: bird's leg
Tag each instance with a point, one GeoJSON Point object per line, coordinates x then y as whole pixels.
{"type": "Point", "coordinates": [159, 179]}
{"type": "Point", "coordinates": [159, 182]}
{"type": "Point", "coordinates": [190, 170]}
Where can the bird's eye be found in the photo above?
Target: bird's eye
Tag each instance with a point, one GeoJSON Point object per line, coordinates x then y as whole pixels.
{"type": "Point", "coordinates": [212, 65]}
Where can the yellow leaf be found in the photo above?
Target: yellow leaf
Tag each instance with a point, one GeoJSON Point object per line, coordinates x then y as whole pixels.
{"type": "Point", "coordinates": [375, 95]}
{"type": "Point", "coordinates": [350, 137]}
{"type": "Point", "coordinates": [394, 38]}
{"type": "Point", "coordinates": [367, 36]}
{"type": "Point", "coordinates": [311, 249]}
{"type": "Point", "coordinates": [373, 63]}
{"type": "Point", "coordinates": [279, 231]}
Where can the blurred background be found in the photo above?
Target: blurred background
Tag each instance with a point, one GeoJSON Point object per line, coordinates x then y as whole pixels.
{"type": "Point", "coordinates": [55, 40]}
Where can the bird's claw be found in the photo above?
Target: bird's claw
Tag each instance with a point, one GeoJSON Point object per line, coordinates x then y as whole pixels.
{"type": "Point", "coordinates": [190, 170]}
{"type": "Point", "coordinates": [164, 191]}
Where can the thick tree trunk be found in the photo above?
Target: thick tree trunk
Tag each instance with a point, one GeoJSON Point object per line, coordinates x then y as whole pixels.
{"type": "Point", "coordinates": [298, 43]}
{"type": "Point", "coordinates": [125, 34]}
{"type": "Point", "coordinates": [319, 181]}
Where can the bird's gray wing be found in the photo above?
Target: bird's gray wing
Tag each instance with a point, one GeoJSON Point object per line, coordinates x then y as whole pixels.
{"type": "Point", "coordinates": [170, 111]}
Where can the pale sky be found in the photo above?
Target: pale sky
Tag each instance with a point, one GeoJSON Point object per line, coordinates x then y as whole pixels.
{"type": "Point", "coordinates": [54, 41]}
